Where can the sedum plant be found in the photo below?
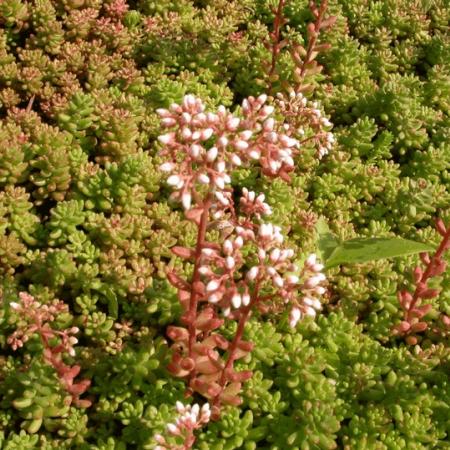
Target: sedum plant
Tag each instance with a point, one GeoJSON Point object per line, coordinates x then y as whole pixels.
{"type": "Point", "coordinates": [247, 269]}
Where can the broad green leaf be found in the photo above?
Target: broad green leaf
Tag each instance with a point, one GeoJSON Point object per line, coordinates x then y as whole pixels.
{"type": "Point", "coordinates": [326, 241]}
{"type": "Point", "coordinates": [370, 249]}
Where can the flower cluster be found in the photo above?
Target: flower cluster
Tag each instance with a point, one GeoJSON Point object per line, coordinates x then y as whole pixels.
{"type": "Point", "coordinates": [36, 320]}
{"type": "Point", "coordinates": [203, 148]}
{"type": "Point", "coordinates": [191, 417]}
{"type": "Point", "coordinates": [306, 117]}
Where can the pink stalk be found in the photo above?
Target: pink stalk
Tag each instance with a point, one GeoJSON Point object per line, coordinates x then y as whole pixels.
{"type": "Point", "coordinates": [413, 311]}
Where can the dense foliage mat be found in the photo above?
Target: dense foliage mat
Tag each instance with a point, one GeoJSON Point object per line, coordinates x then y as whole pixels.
{"type": "Point", "coordinates": [86, 222]}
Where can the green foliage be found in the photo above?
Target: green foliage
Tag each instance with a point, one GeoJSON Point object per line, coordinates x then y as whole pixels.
{"type": "Point", "coordinates": [86, 218]}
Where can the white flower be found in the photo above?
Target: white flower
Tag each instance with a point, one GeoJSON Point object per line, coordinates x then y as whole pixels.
{"type": "Point", "coordinates": [212, 153]}
{"type": "Point", "coordinates": [236, 300]}
{"type": "Point", "coordinates": [253, 273]}
{"type": "Point", "coordinates": [206, 134]}
{"type": "Point", "coordinates": [166, 138]}
{"type": "Point", "coordinates": [236, 160]}
{"type": "Point", "coordinates": [174, 180]}
{"type": "Point", "coordinates": [241, 145]}
{"type": "Point", "coordinates": [166, 167]}
{"type": "Point", "coordinates": [233, 123]}
{"type": "Point", "coordinates": [213, 285]}
{"type": "Point", "coordinates": [203, 178]}
{"type": "Point", "coordinates": [229, 262]}
{"type": "Point", "coordinates": [294, 317]}
{"type": "Point", "coordinates": [186, 199]}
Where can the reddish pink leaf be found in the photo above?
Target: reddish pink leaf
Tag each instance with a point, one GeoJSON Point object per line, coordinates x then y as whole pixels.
{"type": "Point", "coordinates": [177, 281]}
{"type": "Point", "coordinates": [418, 327]}
{"type": "Point", "coordinates": [182, 252]}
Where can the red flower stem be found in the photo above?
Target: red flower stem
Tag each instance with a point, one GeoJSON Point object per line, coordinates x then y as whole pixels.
{"type": "Point", "coordinates": [193, 301]}
{"type": "Point", "coordinates": [427, 274]}
{"type": "Point", "coordinates": [312, 42]}
{"type": "Point", "coordinates": [237, 338]}
{"type": "Point", "coordinates": [275, 35]}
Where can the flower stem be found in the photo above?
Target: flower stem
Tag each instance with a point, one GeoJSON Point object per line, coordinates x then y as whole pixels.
{"type": "Point", "coordinates": [193, 301]}
{"type": "Point", "coordinates": [428, 274]}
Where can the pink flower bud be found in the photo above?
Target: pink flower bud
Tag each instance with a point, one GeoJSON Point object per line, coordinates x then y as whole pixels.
{"type": "Point", "coordinates": [14, 305]}
{"type": "Point", "coordinates": [213, 285]}
{"type": "Point", "coordinates": [314, 281]}
{"type": "Point", "coordinates": [189, 101]}
{"type": "Point", "coordinates": [166, 167]}
{"type": "Point", "coordinates": [236, 160]}
{"type": "Point", "coordinates": [186, 199]}
{"type": "Point", "coordinates": [174, 107]}
{"type": "Point", "coordinates": [275, 255]}
{"type": "Point", "coordinates": [173, 429]}
{"type": "Point", "coordinates": [212, 153]}
{"type": "Point", "coordinates": [238, 242]}
{"type": "Point", "coordinates": [168, 122]}
{"type": "Point", "coordinates": [266, 111]}
{"type": "Point", "coordinates": [222, 141]}
{"type": "Point", "coordinates": [311, 259]}
{"type": "Point", "coordinates": [195, 150]}
{"type": "Point", "coordinates": [254, 154]}
{"type": "Point", "coordinates": [203, 178]}
{"type": "Point", "coordinates": [246, 135]}
{"type": "Point", "coordinates": [236, 301]}
{"type": "Point", "coordinates": [229, 262]}
{"type": "Point", "coordinates": [213, 298]}
{"type": "Point", "coordinates": [206, 134]}
{"type": "Point", "coordinates": [269, 124]}
{"type": "Point", "coordinates": [320, 290]}
{"type": "Point", "coordinates": [246, 299]}
{"type": "Point", "coordinates": [294, 317]}
{"type": "Point", "coordinates": [262, 99]}
{"type": "Point", "coordinates": [292, 279]}
{"type": "Point", "coordinates": [180, 407]}
{"type": "Point", "coordinates": [241, 145]}
{"type": "Point", "coordinates": [163, 112]}
{"type": "Point", "coordinates": [278, 281]}
{"type": "Point", "coordinates": [166, 138]}
{"type": "Point", "coordinates": [186, 133]}
{"type": "Point", "coordinates": [222, 199]}
{"type": "Point", "coordinates": [317, 267]}
{"type": "Point", "coordinates": [220, 166]}
{"type": "Point", "coordinates": [233, 123]}
{"type": "Point", "coordinates": [174, 180]}
{"type": "Point", "coordinates": [204, 270]}
{"type": "Point", "coordinates": [311, 312]}
{"type": "Point", "coordinates": [219, 182]}
{"type": "Point", "coordinates": [287, 141]}
{"type": "Point", "coordinates": [227, 247]}
{"type": "Point", "coordinates": [253, 273]}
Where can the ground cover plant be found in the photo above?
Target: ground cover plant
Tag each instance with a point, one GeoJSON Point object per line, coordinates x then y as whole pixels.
{"type": "Point", "coordinates": [127, 321]}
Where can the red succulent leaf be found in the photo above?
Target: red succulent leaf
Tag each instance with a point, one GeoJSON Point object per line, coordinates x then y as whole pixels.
{"type": "Point", "coordinates": [177, 281]}
{"type": "Point", "coordinates": [183, 252]}
{"type": "Point", "coordinates": [419, 326]}
{"type": "Point", "coordinates": [194, 214]}
{"type": "Point", "coordinates": [421, 311]}
{"type": "Point", "coordinates": [177, 333]}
